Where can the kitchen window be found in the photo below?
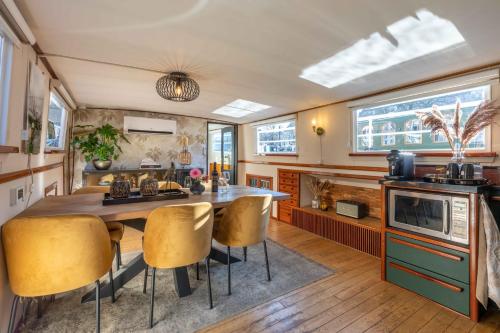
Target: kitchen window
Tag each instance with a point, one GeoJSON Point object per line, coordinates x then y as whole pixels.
{"type": "Point", "coordinates": [277, 138]}
{"type": "Point", "coordinates": [396, 125]}
{"type": "Point", "coordinates": [56, 124]}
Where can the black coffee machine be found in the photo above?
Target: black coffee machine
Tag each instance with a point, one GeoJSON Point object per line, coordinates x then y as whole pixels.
{"type": "Point", "coordinates": [401, 165]}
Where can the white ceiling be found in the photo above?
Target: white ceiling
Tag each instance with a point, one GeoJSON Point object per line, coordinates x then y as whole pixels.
{"type": "Point", "coordinates": [239, 49]}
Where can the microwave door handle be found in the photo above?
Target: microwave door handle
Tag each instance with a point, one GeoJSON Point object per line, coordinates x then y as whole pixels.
{"type": "Point", "coordinates": [446, 216]}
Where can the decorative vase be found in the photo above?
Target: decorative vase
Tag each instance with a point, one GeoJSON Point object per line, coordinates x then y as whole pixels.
{"type": "Point", "coordinates": [197, 187]}
{"type": "Point", "coordinates": [323, 206]}
{"type": "Point", "coordinates": [315, 203]}
{"type": "Point", "coordinates": [149, 186]}
{"type": "Point", "coordinates": [458, 152]}
{"type": "Point", "coordinates": [102, 165]}
{"type": "Point", "coordinates": [119, 188]}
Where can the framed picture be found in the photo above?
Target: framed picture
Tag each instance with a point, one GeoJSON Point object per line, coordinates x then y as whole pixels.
{"type": "Point", "coordinates": [33, 110]}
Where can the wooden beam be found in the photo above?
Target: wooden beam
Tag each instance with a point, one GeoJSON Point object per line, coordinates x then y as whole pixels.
{"type": "Point", "coordinates": [9, 150]}
{"type": "Point", "coordinates": [430, 154]}
{"type": "Point", "coordinates": [10, 176]}
{"type": "Point", "coordinates": [320, 166]}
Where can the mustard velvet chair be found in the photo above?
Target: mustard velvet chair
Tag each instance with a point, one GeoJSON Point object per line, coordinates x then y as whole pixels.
{"type": "Point", "coordinates": [244, 223]}
{"type": "Point", "coordinates": [177, 236]}
{"type": "Point", "coordinates": [116, 229]}
{"type": "Point", "coordinates": [163, 185]}
{"type": "Point", "coordinates": [47, 255]}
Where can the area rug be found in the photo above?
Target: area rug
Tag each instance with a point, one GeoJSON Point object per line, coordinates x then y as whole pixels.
{"type": "Point", "coordinates": [130, 312]}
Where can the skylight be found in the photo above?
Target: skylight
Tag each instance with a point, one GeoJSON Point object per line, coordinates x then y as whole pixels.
{"type": "Point", "coordinates": [414, 38]}
{"type": "Point", "coordinates": [240, 108]}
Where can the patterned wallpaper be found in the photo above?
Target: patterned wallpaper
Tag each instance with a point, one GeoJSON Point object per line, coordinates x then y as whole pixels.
{"type": "Point", "coordinates": [161, 148]}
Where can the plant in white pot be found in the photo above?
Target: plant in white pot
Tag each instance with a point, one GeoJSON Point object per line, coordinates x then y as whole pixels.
{"type": "Point", "coordinates": [100, 146]}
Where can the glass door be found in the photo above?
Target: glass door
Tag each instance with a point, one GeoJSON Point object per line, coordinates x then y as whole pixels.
{"type": "Point", "coordinates": [221, 145]}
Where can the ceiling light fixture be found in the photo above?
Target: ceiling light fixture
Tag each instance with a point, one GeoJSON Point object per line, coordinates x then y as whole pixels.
{"type": "Point", "coordinates": [177, 87]}
{"type": "Point", "coordinates": [409, 38]}
{"type": "Point", "coordinates": [240, 108]}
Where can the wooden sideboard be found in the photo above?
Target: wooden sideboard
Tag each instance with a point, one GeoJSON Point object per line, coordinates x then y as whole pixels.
{"type": "Point", "coordinates": [360, 234]}
{"type": "Point", "coordinates": [288, 182]}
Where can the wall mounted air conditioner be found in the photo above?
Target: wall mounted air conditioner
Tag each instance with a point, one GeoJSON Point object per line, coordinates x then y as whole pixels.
{"type": "Point", "coordinates": [141, 125]}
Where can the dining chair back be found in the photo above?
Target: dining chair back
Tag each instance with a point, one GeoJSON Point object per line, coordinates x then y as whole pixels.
{"type": "Point", "coordinates": [177, 236]}
{"type": "Point", "coordinates": [164, 185]}
{"type": "Point", "coordinates": [244, 223]}
{"type": "Point", "coordinates": [116, 229]}
{"type": "Point", "coordinates": [46, 255]}
{"type": "Point", "coordinates": [92, 189]}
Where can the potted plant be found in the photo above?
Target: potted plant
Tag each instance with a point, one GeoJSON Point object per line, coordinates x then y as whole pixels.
{"type": "Point", "coordinates": [99, 146]}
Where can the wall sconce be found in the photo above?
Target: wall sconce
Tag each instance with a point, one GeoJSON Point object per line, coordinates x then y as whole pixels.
{"type": "Point", "coordinates": [317, 129]}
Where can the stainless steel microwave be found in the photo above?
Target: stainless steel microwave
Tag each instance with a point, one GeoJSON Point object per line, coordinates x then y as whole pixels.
{"type": "Point", "coordinates": [433, 214]}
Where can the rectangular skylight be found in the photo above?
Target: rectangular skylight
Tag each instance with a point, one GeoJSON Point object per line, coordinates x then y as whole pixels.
{"type": "Point", "coordinates": [240, 108]}
{"type": "Point", "coordinates": [413, 38]}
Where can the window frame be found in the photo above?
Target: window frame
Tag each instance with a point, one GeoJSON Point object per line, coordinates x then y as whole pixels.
{"type": "Point", "coordinates": [407, 135]}
{"type": "Point", "coordinates": [64, 122]}
{"type": "Point", "coordinates": [354, 128]}
{"type": "Point", "coordinates": [6, 58]}
{"type": "Point", "coordinates": [276, 122]}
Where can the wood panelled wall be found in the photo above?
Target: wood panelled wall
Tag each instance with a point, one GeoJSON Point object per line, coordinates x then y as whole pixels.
{"type": "Point", "coordinates": [369, 196]}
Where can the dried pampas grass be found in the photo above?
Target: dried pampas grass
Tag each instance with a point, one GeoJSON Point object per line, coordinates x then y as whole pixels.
{"type": "Point", "coordinates": [318, 187]}
{"type": "Point", "coordinates": [482, 116]}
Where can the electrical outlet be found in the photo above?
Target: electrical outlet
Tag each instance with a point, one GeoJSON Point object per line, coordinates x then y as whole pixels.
{"type": "Point", "coordinates": [24, 135]}
{"type": "Point", "coordinates": [16, 196]}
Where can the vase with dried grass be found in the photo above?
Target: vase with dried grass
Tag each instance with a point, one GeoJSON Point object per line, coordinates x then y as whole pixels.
{"type": "Point", "coordinates": [459, 137]}
{"type": "Point", "coordinates": [318, 188]}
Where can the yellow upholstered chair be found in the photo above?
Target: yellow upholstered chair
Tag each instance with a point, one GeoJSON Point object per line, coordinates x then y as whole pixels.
{"type": "Point", "coordinates": [115, 228]}
{"type": "Point", "coordinates": [177, 236]}
{"type": "Point", "coordinates": [46, 255]}
{"type": "Point", "coordinates": [244, 223]}
{"type": "Point", "coordinates": [164, 185]}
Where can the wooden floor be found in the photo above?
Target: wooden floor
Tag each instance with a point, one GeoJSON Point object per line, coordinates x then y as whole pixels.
{"type": "Point", "coordinates": [353, 300]}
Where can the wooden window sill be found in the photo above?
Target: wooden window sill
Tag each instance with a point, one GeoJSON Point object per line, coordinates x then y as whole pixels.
{"type": "Point", "coordinates": [55, 152]}
{"type": "Point", "coordinates": [9, 150]}
{"type": "Point", "coordinates": [430, 154]}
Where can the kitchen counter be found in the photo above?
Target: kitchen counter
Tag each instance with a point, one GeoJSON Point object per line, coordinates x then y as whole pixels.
{"type": "Point", "coordinates": [435, 186]}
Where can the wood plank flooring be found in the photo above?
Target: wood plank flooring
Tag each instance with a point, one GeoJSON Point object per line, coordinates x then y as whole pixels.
{"type": "Point", "coordinates": [353, 300]}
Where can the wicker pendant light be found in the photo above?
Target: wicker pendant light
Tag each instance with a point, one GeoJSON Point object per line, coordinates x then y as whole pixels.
{"type": "Point", "coordinates": [177, 87]}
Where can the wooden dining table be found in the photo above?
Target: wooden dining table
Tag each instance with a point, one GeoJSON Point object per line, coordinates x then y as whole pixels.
{"type": "Point", "coordinates": [135, 215]}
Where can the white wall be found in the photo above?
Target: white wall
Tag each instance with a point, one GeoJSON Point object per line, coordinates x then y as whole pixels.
{"type": "Point", "coordinates": [15, 162]}
{"type": "Point", "coordinates": [336, 120]}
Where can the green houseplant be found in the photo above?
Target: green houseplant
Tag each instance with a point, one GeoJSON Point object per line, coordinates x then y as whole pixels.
{"type": "Point", "coordinates": [100, 145]}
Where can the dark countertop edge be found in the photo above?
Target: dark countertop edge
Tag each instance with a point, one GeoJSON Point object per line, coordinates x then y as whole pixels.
{"type": "Point", "coordinates": [416, 184]}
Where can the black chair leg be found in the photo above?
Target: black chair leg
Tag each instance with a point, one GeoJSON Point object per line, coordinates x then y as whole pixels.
{"type": "Point", "coordinates": [267, 262]}
{"type": "Point", "coordinates": [152, 304]}
{"type": "Point", "coordinates": [13, 310]}
{"type": "Point", "coordinates": [118, 256]}
{"type": "Point", "coordinates": [207, 263]}
{"type": "Point", "coordinates": [229, 270]}
{"type": "Point", "coordinates": [245, 253]}
{"type": "Point", "coordinates": [145, 279]}
{"type": "Point", "coordinates": [112, 285]}
{"type": "Point", "coordinates": [197, 271]}
{"type": "Point", "coordinates": [39, 301]}
{"type": "Point", "coordinates": [98, 306]}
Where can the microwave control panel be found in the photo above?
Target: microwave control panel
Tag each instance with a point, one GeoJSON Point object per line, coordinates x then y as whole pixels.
{"type": "Point", "coordinates": [460, 220]}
